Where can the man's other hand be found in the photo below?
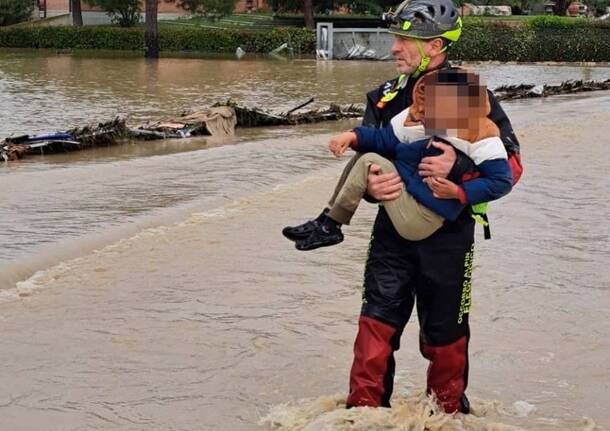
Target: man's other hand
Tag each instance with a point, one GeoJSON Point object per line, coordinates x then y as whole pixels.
{"type": "Point", "coordinates": [340, 143]}
{"type": "Point", "coordinates": [438, 166]}
{"type": "Point", "coordinates": [383, 187]}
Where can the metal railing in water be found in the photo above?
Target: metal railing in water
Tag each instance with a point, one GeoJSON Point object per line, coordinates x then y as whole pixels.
{"type": "Point", "coordinates": [352, 43]}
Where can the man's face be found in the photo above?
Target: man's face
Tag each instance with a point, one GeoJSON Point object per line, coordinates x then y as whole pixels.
{"type": "Point", "coordinates": [405, 52]}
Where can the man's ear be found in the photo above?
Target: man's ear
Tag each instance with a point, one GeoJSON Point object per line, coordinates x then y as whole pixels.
{"type": "Point", "coordinates": [435, 47]}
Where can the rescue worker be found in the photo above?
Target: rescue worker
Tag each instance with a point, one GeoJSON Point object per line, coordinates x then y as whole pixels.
{"type": "Point", "coordinates": [434, 274]}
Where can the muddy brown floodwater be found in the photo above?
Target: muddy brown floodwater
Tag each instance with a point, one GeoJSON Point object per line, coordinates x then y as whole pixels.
{"type": "Point", "coordinates": [165, 297]}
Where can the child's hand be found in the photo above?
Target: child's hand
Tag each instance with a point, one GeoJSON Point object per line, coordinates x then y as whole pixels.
{"type": "Point", "coordinates": [339, 144]}
{"type": "Point", "coordinates": [442, 188]}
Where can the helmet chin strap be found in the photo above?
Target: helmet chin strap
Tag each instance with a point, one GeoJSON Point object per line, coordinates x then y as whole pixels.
{"type": "Point", "coordinates": [425, 60]}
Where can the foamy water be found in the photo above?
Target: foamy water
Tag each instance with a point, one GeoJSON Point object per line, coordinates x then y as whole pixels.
{"type": "Point", "coordinates": [417, 412]}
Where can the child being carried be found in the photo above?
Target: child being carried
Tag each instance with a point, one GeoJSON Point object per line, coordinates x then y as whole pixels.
{"type": "Point", "coordinates": [449, 105]}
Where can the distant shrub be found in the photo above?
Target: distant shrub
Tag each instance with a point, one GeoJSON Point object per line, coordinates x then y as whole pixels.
{"type": "Point", "coordinates": [15, 11]}
{"type": "Point", "coordinates": [544, 38]}
{"type": "Point", "coordinates": [539, 39]}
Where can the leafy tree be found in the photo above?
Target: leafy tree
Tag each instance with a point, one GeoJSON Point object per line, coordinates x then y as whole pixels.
{"type": "Point", "coordinates": [15, 11]}
{"type": "Point", "coordinates": [210, 8]}
{"type": "Point", "coordinates": [125, 13]}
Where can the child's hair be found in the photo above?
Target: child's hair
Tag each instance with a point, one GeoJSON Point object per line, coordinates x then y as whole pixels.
{"type": "Point", "coordinates": [470, 91]}
{"type": "Point", "coordinates": [468, 84]}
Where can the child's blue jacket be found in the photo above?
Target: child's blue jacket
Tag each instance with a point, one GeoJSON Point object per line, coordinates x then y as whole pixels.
{"type": "Point", "coordinates": [495, 178]}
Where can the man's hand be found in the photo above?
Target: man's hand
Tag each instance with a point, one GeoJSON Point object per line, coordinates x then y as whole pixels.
{"type": "Point", "coordinates": [442, 188]}
{"type": "Point", "coordinates": [438, 166]}
{"type": "Point", "coordinates": [339, 143]}
{"type": "Point", "coordinates": [383, 187]}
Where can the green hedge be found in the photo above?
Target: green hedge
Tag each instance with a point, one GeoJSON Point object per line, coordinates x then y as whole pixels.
{"type": "Point", "coordinates": [537, 39]}
{"type": "Point", "coordinates": [171, 39]}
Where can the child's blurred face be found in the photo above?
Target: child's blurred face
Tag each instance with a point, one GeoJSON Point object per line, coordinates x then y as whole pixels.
{"type": "Point", "coordinates": [452, 107]}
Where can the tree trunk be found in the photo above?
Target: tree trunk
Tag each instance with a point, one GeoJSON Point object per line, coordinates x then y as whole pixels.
{"type": "Point", "coordinates": [561, 6]}
{"type": "Point", "coordinates": [151, 35]}
{"type": "Point", "coordinates": [524, 6]}
{"type": "Point", "coordinates": [77, 15]}
{"type": "Point", "coordinates": [308, 12]}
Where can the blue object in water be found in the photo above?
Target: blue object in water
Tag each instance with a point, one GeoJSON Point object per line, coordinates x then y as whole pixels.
{"type": "Point", "coordinates": [60, 136]}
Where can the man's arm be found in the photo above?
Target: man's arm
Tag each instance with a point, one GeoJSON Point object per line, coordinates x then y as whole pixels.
{"type": "Point", "coordinates": [381, 187]}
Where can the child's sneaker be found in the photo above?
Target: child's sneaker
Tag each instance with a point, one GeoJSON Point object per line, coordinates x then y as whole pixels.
{"type": "Point", "coordinates": [324, 235]}
{"type": "Point", "coordinates": [302, 231]}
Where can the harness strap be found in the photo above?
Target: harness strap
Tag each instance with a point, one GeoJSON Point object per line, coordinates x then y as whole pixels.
{"type": "Point", "coordinates": [479, 214]}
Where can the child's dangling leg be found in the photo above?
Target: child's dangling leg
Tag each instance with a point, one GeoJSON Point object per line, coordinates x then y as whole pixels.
{"type": "Point", "coordinates": [302, 231]}
{"type": "Point", "coordinates": [343, 204]}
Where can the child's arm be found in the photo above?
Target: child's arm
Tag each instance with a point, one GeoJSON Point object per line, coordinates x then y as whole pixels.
{"type": "Point", "coordinates": [495, 176]}
{"type": "Point", "coordinates": [495, 181]}
{"type": "Point", "coordinates": [381, 141]}
{"type": "Point", "coordinates": [443, 188]}
{"type": "Point", "coordinates": [365, 140]}
{"type": "Point", "coordinates": [448, 199]}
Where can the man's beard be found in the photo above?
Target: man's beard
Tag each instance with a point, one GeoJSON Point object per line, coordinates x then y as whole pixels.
{"type": "Point", "coordinates": [406, 69]}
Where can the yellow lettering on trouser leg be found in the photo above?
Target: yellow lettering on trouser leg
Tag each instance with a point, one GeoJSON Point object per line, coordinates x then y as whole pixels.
{"type": "Point", "coordinates": [466, 285]}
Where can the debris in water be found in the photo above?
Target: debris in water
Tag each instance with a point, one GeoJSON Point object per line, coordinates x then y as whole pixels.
{"type": "Point", "coordinates": [219, 120]}
{"type": "Point", "coordinates": [239, 53]}
{"type": "Point", "coordinates": [302, 105]}
{"type": "Point", "coordinates": [510, 92]}
{"type": "Point", "coordinates": [222, 118]}
{"type": "Point", "coordinates": [279, 49]}
{"type": "Point", "coordinates": [215, 121]}
{"type": "Point", "coordinates": [104, 134]}
{"type": "Point", "coordinates": [257, 117]}
{"type": "Point", "coordinates": [283, 47]}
